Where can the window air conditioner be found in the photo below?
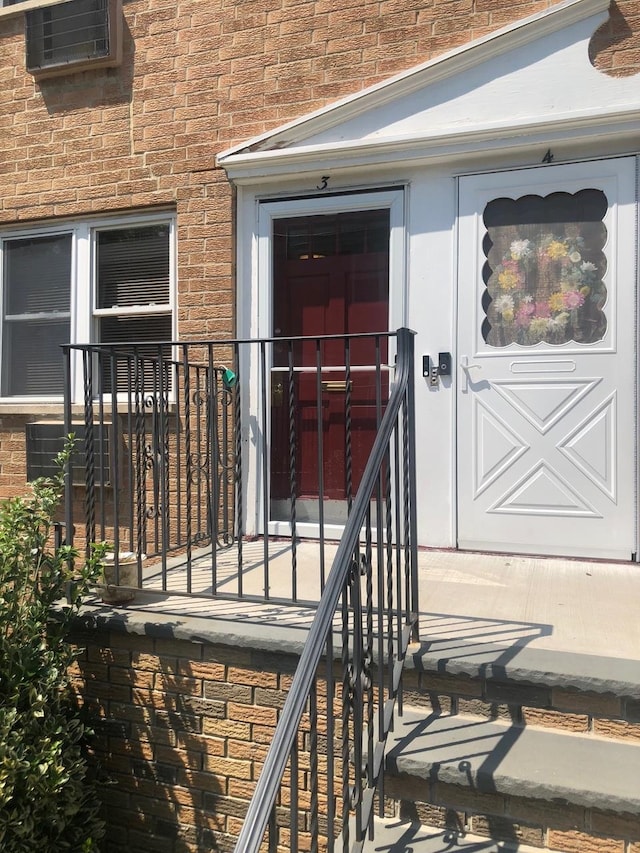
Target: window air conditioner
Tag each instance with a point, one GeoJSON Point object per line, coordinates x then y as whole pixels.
{"type": "Point", "coordinates": [45, 439]}
{"type": "Point", "coordinates": [73, 36]}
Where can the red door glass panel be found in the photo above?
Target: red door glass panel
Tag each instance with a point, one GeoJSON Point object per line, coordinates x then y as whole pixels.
{"type": "Point", "coordinates": [331, 277]}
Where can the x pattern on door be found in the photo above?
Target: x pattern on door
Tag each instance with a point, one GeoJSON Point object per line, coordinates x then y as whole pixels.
{"type": "Point", "coordinates": [539, 409]}
{"type": "Point", "coordinates": [546, 336]}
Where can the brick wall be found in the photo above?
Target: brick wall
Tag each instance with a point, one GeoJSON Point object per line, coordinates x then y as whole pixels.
{"type": "Point", "coordinates": [195, 79]}
{"type": "Point", "coordinates": [182, 730]}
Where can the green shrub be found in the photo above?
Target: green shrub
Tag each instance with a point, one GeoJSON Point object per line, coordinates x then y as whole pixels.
{"type": "Point", "coordinates": [47, 801]}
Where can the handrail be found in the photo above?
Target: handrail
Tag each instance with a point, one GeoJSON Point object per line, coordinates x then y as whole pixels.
{"type": "Point", "coordinates": [264, 797]}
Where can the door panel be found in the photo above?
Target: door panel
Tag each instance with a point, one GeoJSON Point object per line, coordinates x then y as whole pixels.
{"type": "Point", "coordinates": [331, 277]}
{"type": "Point", "coordinates": [546, 385]}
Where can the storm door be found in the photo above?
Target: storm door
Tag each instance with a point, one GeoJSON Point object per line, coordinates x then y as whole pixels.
{"type": "Point", "coordinates": [330, 277]}
{"type": "Point", "coordinates": [546, 431]}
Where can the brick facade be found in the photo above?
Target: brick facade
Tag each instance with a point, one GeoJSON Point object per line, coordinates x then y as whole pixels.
{"type": "Point", "coordinates": [194, 81]}
{"type": "Point", "coordinates": [182, 732]}
{"type": "Point", "coordinates": [183, 728]}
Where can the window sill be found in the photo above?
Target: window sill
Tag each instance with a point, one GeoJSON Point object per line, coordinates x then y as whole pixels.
{"type": "Point", "coordinates": [28, 407]}
{"type": "Point", "coordinates": [76, 67]}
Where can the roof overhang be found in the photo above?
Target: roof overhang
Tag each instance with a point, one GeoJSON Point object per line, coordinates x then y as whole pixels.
{"type": "Point", "coordinates": [528, 83]}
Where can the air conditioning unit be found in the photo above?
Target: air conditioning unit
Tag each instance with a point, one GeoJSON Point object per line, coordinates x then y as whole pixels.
{"type": "Point", "coordinates": [45, 439]}
{"type": "Point", "coordinates": [73, 36]}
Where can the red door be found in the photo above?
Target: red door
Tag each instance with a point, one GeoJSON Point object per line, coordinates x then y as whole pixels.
{"type": "Point", "coordinates": [331, 277]}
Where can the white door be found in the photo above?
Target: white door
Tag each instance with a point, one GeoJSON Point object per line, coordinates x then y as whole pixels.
{"type": "Point", "coordinates": [547, 364]}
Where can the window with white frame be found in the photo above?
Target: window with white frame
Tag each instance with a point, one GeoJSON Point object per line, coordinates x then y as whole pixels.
{"type": "Point", "coordinates": [83, 283]}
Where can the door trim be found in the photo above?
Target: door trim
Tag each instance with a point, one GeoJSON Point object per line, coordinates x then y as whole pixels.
{"type": "Point", "coordinates": [260, 319]}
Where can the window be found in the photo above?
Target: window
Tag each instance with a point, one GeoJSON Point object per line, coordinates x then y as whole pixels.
{"type": "Point", "coordinates": [544, 270]}
{"type": "Point", "coordinates": [37, 275]}
{"type": "Point", "coordinates": [106, 283]}
{"type": "Point", "coordinates": [19, 7]}
{"type": "Point", "coordinates": [63, 37]}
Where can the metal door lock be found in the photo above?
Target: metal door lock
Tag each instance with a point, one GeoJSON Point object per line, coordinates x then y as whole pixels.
{"type": "Point", "coordinates": [444, 363]}
{"type": "Point", "coordinates": [434, 370]}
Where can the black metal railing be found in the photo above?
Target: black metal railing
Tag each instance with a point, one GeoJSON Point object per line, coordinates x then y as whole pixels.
{"type": "Point", "coordinates": [323, 775]}
{"type": "Point", "coordinates": [195, 455]}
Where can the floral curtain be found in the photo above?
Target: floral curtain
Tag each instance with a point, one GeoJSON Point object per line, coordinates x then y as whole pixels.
{"type": "Point", "coordinates": [544, 272]}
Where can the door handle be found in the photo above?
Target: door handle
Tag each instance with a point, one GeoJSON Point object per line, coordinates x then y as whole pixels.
{"type": "Point", "coordinates": [467, 366]}
{"type": "Point", "coordinates": [336, 385]}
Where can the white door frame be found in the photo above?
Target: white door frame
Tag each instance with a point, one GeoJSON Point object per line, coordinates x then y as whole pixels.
{"type": "Point", "coordinates": [257, 322]}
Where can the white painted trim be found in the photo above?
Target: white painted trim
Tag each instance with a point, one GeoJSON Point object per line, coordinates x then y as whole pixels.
{"type": "Point", "coordinates": [83, 280]}
{"type": "Point", "coordinates": [255, 288]}
{"type": "Point", "coordinates": [497, 138]}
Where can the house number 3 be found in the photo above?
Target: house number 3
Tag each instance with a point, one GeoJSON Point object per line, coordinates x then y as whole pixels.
{"type": "Point", "coordinates": [324, 182]}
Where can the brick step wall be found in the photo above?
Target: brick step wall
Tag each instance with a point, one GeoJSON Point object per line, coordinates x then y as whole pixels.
{"type": "Point", "coordinates": [182, 729]}
{"type": "Point", "coordinates": [515, 747]}
{"type": "Point", "coordinates": [529, 698]}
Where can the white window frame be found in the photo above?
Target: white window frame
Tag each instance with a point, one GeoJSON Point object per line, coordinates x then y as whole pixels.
{"type": "Point", "coordinates": [83, 308]}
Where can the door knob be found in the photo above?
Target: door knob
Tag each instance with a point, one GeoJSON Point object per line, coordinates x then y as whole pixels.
{"type": "Point", "coordinates": [277, 394]}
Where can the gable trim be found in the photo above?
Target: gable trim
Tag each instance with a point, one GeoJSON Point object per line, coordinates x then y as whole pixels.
{"type": "Point", "coordinates": [247, 168]}
{"type": "Point", "coordinates": [449, 64]}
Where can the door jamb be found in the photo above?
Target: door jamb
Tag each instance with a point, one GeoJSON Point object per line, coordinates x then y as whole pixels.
{"type": "Point", "coordinates": [260, 317]}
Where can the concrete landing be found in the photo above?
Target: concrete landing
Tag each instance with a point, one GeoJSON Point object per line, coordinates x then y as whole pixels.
{"type": "Point", "coordinates": [469, 602]}
{"type": "Point", "coordinates": [543, 603]}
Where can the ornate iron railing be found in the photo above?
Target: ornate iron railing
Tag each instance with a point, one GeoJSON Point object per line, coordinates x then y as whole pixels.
{"type": "Point", "coordinates": [195, 455]}
{"type": "Point", "coordinates": [323, 774]}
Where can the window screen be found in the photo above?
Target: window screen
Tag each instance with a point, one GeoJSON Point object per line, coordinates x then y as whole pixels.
{"type": "Point", "coordinates": [133, 267]}
{"type": "Point", "coordinates": [133, 274]}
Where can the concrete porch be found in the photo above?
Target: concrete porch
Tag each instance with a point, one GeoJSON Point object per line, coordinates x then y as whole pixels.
{"type": "Point", "coordinates": [521, 722]}
{"type": "Point", "coordinates": [467, 600]}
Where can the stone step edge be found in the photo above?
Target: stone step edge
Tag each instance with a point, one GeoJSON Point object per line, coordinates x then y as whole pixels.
{"type": "Point", "coordinates": [393, 835]}
{"type": "Point", "coordinates": [513, 760]}
{"type": "Point", "coordinates": [521, 663]}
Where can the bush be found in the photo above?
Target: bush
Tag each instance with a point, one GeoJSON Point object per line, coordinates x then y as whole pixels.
{"type": "Point", "coordinates": [47, 801]}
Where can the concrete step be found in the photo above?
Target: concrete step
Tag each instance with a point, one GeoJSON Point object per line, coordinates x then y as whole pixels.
{"type": "Point", "coordinates": [483, 657]}
{"type": "Point", "coordinates": [400, 836]}
{"type": "Point", "coordinates": [557, 689]}
{"type": "Point", "coordinates": [508, 782]}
